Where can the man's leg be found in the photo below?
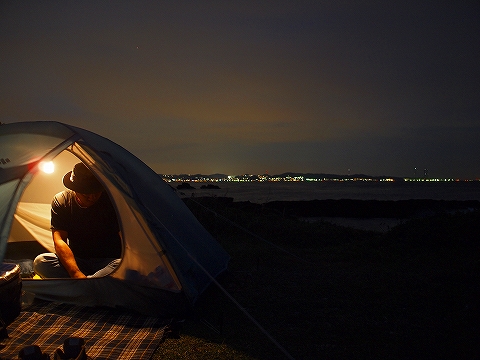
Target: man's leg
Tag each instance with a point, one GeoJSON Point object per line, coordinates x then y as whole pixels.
{"type": "Point", "coordinates": [108, 266]}
{"type": "Point", "coordinates": [47, 265]}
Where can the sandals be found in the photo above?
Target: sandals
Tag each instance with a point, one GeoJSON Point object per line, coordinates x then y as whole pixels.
{"type": "Point", "coordinates": [73, 349]}
{"type": "Point", "coordinates": [32, 352]}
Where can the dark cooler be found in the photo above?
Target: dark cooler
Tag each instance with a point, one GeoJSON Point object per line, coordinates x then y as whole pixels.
{"type": "Point", "coordinates": [10, 292]}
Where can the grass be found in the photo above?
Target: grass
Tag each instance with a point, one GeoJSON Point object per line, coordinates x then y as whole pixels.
{"type": "Point", "coordinates": [336, 292]}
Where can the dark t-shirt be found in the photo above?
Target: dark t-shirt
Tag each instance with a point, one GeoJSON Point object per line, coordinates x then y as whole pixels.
{"type": "Point", "coordinates": [93, 232]}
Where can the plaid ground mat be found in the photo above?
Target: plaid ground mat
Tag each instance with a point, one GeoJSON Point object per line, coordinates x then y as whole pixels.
{"type": "Point", "coordinates": [108, 333]}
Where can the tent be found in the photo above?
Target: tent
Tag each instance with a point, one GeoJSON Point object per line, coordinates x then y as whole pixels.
{"type": "Point", "coordinates": [168, 257]}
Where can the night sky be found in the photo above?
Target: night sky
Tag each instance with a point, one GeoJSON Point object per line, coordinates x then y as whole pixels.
{"type": "Point", "coordinates": [377, 87]}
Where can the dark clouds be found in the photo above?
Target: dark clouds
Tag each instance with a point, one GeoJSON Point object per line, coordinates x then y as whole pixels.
{"type": "Point", "coordinates": [280, 86]}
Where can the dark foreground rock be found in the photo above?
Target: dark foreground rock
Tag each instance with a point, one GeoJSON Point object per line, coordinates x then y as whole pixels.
{"type": "Point", "coordinates": [400, 209]}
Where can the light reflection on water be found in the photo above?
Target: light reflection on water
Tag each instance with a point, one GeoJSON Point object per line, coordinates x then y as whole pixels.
{"type": "Point", "coordinates": [289, 191]}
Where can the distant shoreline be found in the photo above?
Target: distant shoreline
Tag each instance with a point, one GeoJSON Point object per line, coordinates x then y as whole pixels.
{"type": "Point", "coordinates": [263, 192]}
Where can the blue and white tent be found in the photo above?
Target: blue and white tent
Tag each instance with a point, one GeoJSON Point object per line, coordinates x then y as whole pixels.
{"type": "Point", "coordinates": [168, 257]}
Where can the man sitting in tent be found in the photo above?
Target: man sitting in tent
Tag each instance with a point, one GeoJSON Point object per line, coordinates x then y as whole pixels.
{"type": "Point", "coordinates": [85, 230]}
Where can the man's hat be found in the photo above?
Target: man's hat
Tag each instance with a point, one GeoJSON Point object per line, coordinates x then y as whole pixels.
{"type": "Point", "coordinates": [82, 180]}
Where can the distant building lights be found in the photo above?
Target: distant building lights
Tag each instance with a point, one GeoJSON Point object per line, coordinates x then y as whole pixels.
{"type": "Point", "coordinates": [46, 167]}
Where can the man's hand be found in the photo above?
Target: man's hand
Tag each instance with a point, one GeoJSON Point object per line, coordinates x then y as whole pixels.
{"type": "Point", "coordinates": [77, 275]}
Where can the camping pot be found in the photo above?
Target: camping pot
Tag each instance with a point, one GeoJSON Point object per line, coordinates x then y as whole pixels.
{"type": "Point", "coordinates": [10, 292]}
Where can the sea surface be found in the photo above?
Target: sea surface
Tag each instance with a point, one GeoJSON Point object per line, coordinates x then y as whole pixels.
{"type": "Point", "coordinates": [263, 192]}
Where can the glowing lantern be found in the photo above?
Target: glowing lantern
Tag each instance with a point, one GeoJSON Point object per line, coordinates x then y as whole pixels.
{"type": "Point", "coordinates": [46, 167]}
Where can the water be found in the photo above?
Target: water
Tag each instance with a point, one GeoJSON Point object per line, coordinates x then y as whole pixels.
{"type": "Point", "coordinates": [291, 191]}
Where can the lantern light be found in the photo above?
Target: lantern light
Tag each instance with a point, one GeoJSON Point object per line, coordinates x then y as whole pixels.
{"type": "Point", "coordinates": [46, 166]}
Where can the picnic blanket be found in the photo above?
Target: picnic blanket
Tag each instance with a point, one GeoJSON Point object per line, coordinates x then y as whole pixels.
{"type": "Point", "coordinates": [108, 333]}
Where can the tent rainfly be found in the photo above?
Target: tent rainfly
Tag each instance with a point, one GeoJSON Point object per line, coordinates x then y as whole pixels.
{"type": "Point", "coordinates": [168, 258]}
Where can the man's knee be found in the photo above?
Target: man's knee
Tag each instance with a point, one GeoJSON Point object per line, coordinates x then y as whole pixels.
{"type": "Point", "coordinates": [43, 260]}
{"type": "Point", "coordinates": [47, 265]}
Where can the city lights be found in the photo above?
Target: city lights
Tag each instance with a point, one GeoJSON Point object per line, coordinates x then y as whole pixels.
{"type": "Point", "coordinates": [299, 178]}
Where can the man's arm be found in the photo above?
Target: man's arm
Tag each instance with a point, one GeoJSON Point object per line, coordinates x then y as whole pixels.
{"type": "Point", "coordinates": [65, 254]}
